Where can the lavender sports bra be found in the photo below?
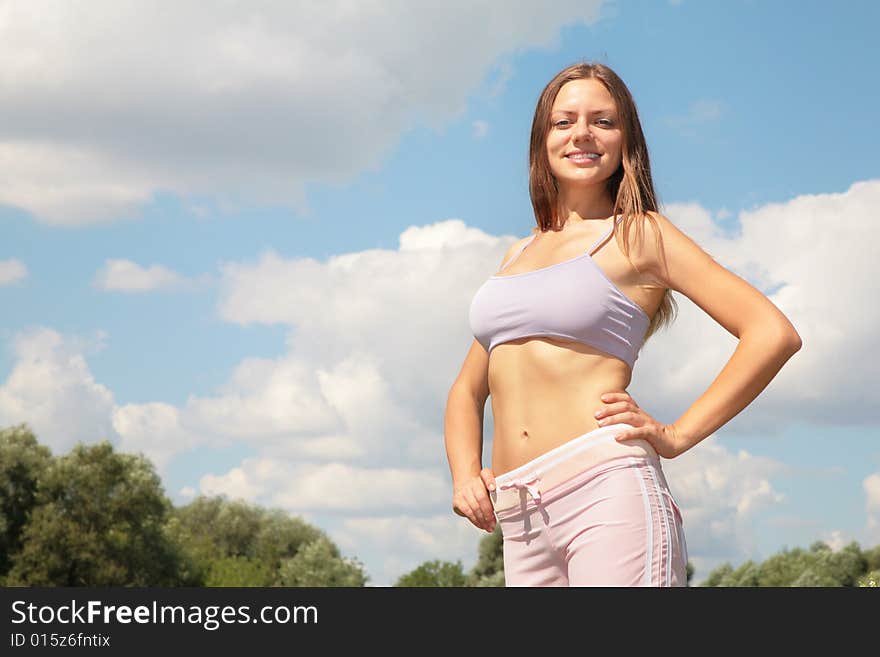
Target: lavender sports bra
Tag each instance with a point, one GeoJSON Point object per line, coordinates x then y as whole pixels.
{"type": "Point", "coordinates": [572, 299]}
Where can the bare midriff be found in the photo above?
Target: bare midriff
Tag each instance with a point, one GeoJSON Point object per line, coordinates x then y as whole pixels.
{"type": "Point", "coordinates": [545, 392]}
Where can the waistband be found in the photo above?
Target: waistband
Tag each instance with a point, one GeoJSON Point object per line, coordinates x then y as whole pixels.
{"type": "Point", "coordinates": [555, 467]}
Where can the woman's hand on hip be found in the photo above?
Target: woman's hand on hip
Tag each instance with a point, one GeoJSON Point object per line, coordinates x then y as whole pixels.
{"type": "Point", "coordinates": [621, 407]}
{"type": "Point", "coordinates": [470, 499]}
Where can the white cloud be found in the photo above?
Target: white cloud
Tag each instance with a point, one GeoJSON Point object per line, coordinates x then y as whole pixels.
{"type": "Point", "coordinates": [153, 429]}
{"type": "Point", "coordinates": [297, 408]}
{"type": "Point", "coordinates": [816, 285]}
{"type": "Point", "coordinates": [481, 129]}
{"type": "Point", "coordinates": [719, 493]}
{"type": "Point", "coordinates": [836, 539]}
{"type": "Point", "coordinates": [12, 271]}
{"type": "Point", "coordinates": [127, 276]}
{"type": "Point", "coordinates": [266, 398]}
{"type": "Point", "coordinates": [67, 183]}
{"type": "Point", "coordinates": [331, 486]}
{"type": "Point", "coordinates": [97, 119]}
{"type": "Point", "coordinates": [52, 389]}
{"type": "Point", "coordinates": [432, 276]}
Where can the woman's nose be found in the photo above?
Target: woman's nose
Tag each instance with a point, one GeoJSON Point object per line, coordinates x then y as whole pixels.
{"type": "Point", "coordinates": [582, 131]}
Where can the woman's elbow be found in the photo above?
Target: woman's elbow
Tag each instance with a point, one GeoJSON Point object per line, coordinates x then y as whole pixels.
{"type": "Point", "coordinates": [781, 335]}
{"type": "Point", "coordinates": [787, 336]}
{"type": "Point", "coordinates": [789, 339]}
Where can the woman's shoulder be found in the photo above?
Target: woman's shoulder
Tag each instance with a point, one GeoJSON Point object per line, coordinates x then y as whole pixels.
{"type": "Point", "coordinates": [652, 220]}
{"type": "Point", "coordinates": [658, 227]}
{"type": "Point", "coordinates": [662, 245]}
{"type": "Point", "coordinates": [651, 227]}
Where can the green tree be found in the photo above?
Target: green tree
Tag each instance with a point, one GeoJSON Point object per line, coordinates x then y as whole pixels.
{"type": "Point", "coordinates": [280, 537]}
{"type": "Point", "coordinates": [870, 579]}
{"type": "Point", "coordinates": [320, 564]}
{"type": "Point", "coordinates": [844, 566]}
{"type": "Point", "coordinates": [783, 568]}
{"type": "Point", "coordinates": [489, 569]}
{"type": "Point", "coordinates": [748, 574]}
{"type": "Point", "coordinates": [810, 577]}
{"type": "Point", "coordinates": [872, 557]}
{"type": "Point", "coordinates": [238, 571]}
{"type": "Point", "coordinates": [238, 544]}
{"type": "Point", "coordinates": [718, 575]}
{"type": "Point", "coordinates": [435, 573]}
{"type": "Point", "coordinates": [98, 520]}
{"type": "Point", "coordinates": [22, 462]}
{"type": "Point", "coordinates": [817, 566]}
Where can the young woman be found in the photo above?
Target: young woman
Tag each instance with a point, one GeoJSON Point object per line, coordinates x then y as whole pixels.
{"type": "Point", "coordinates": [576, 481]}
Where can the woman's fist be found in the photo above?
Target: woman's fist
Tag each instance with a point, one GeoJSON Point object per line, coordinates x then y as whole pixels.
{"type": "Point", "coordinates": [470, 499]}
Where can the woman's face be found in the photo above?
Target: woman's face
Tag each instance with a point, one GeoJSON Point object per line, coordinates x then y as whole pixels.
{"type": "Point", "coordinates": [583, 119]}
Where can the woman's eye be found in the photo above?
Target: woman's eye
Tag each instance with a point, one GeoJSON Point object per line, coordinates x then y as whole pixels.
{"type": "Point", "coordinates": [606, 122]}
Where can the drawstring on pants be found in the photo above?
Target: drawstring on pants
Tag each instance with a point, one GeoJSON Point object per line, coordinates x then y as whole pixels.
{"type": "Point", "coordinates": [528, 482]}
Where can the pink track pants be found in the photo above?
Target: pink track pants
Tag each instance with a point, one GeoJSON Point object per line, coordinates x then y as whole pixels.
{"type": "Point", "coordinates": [591, 512]}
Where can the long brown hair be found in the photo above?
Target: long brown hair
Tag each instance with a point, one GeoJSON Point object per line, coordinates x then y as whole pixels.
{"type": "Point", "coordinates": [631, 186]}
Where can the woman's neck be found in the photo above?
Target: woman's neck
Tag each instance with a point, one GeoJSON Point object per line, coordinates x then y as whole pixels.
{"type": "Point", "coordinates": [581, 205]}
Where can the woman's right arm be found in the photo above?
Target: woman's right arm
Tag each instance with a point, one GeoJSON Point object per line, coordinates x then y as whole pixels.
{"type": "Point", "coordinates": [463, 428]}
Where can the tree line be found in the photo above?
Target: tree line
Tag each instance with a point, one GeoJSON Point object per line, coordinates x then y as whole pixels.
{"type": "Point", "coordinates": [97, 517]}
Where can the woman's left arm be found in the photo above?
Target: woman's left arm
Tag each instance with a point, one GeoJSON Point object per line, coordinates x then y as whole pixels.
{"type": "Point", "coordinates": [767, 339]}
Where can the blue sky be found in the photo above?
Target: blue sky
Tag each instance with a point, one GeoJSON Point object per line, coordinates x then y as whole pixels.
{"type": "Point", "coordinates": [249, 253]}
